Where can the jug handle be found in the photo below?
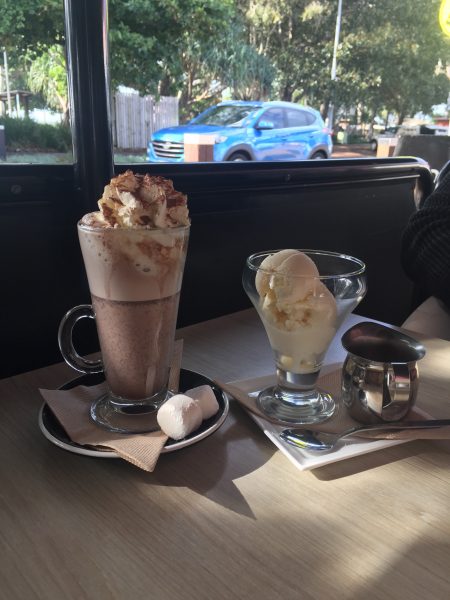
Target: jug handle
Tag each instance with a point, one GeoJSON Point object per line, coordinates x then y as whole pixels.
{"type": "Point", "coordinates": [402, 383]}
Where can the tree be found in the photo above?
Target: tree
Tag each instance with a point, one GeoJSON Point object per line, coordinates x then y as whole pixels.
{"type": "Point", "coordinates": [392, 56]}
{"type": "Point", "coordinates": [296, 36]}
{"type": "Point", "coordinates": [388, 54]}
{"type": "Point", "coordinates": [27, 30]}
{"type": "Point", "coordinates": [192, 48]}
{"type": "Point", "coordinates": [239, 66]}
{"type": "Point", "coordinates": [47, 75]}
{"type": "Point", "coordinates": [24, 24]}
{"type": "Point", "coordinates": [158, 46]}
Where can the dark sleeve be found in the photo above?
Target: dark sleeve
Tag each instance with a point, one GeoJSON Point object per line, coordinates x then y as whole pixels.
{"type": "Point", "coordinates": [426, 244]}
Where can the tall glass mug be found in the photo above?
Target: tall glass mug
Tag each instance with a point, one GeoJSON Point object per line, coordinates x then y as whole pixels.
{"type": "Point", "coordinates": [135, 279]}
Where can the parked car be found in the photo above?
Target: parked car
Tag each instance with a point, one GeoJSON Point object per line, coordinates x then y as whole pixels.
{"type": "Point", "coordinates": [243, 131]}
{"type": "Point", "coordinates": [389, 132]}
{"type": "Point", "coordinates": [424, 129]}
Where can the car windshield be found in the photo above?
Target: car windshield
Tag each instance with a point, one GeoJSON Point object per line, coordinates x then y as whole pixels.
{"type": "Point", "coordinates": [228, 116]}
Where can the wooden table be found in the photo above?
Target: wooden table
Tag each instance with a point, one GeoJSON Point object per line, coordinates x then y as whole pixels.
{"type": "Point", "coordinates": [227, 518]}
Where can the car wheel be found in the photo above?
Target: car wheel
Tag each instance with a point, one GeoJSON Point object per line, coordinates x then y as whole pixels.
{"type": "Point", "coordinates": [318, 156]}
{"type": "Point", "coordinates": [373, 145]}
{"type": "Point", "coordinates": [239, 157]}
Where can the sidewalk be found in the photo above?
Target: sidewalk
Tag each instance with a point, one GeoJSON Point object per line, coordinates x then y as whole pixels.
{"type": "Point", "coordinates": [352, 151]}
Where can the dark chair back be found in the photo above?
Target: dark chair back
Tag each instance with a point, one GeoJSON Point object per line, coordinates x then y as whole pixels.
{"type": "Point", "coordinates": [354, 207]}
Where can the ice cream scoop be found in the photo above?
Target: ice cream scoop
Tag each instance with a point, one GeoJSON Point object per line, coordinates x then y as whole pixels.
{"type": "Point", "coordinates": [295, 278]}
{"type": "Point", "coordinates": [268, 266]}
{"type": "Point", "coordinates": [298, 310]}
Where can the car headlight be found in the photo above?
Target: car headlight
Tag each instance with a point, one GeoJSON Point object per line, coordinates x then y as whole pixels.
{"type": "Point", "coordinates": [221, 138]}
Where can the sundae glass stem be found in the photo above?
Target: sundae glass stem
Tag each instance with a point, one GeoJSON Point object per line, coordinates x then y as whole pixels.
{"type": "Point", "coordinates": [295, 399]}
{"type": "Point", "coordinates": [296, 384]}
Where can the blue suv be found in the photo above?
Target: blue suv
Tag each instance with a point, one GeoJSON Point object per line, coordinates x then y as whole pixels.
{"type": "Point", "coordinates": [249, 131]}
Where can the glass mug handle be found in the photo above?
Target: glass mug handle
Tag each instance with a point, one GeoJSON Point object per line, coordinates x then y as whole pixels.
{"type": "Point", "coordinates": [70, 355]}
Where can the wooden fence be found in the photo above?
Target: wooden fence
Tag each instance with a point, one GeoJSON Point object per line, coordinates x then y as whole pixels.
{"type": "Point", "coordinates": [135, 118]}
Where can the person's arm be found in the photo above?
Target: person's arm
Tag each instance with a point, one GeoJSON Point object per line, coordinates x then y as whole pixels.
{"type": "Point", "coordinates": [426, 244]}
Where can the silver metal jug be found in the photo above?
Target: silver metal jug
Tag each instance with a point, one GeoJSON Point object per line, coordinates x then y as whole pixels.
{"type": "Point", "coordinates": [380, 376]}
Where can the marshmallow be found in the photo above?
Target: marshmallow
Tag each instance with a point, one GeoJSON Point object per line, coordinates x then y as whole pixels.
{"type": "Point", "coordinates": [179, 416]}
{"type": "Point", "coordinates": [206, 399]}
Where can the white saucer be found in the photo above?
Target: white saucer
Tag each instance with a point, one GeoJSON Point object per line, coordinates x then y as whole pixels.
{"type": "Point", "coordinates": [54, 432]}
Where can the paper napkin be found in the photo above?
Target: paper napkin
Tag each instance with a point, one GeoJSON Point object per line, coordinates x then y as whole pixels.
{"type": "Point", "coordinates": [72, 409]}
{"type": "Point", "coordinates": [246, 392]}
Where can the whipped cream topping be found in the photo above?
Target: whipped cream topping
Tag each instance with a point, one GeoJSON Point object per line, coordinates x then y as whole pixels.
{"type": "Point", "coordinates": [134, 247]}
{"type": "Point", "coordinates": [135, 201]}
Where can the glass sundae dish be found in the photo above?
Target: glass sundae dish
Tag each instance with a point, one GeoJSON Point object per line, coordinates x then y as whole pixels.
{"type": "Point", "coordinates": [302, 297]}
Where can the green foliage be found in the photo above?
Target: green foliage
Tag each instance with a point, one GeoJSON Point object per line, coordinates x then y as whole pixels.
{"type": "Point", "coordinates": [26, 24]}
{"type": "Point", "coordinates": [239, 66]}
{"type": "Point", "coordinates": [33, 34]}
{"type": "Point", "coordinates": [161, 47]}
{"type": "Point", "coordinates": [297, 37]}
{"type": "Point", "coordinates": [387, 58]}
{"type": "Point", "coordinates": [392, 56]}
{"type": "Point", "coordinates": [47, 75]}
{"type": "Point", "coordinates": [25, 134]}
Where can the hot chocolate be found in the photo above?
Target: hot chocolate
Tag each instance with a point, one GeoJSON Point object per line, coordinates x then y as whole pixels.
{"type": "Point", "coordinates": [135, 280]}
{"type": "Point", "coordinates": [137, 344]}
{"type": "Point", "coordinates": [134, 249]}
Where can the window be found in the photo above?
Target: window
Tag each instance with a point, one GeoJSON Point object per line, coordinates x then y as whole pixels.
{"type": "Point", "coordinates": [228, 116]}
{"type": "Point", "coordinates": [299, 118]}
{"type": "Point", "coordinates": [172, 60]}
{"type": "Point", "coordinates": [34, 109]}
{"type": "Point", "coordinates": [275, 116]}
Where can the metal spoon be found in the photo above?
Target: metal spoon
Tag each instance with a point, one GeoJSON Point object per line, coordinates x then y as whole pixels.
{"type": "Point", "coordinates": [320, 440]}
